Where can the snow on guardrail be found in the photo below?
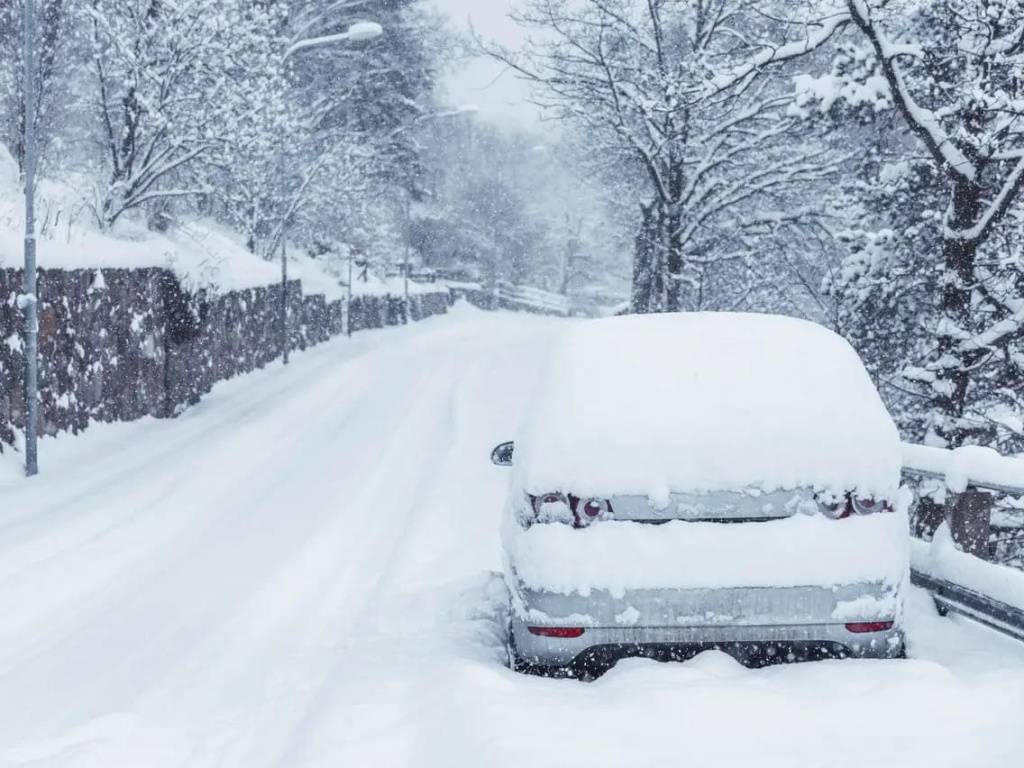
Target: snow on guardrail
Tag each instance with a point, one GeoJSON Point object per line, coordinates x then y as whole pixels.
{"type": "Point", "coordinates": [940, 558]}
{"type": "Point", "coordinates": [505, 295]}
{"type": "Point", "coordinates": [986, 592]}
{"type": "Point", "coordinates": [533, 298]}
{"type": "Point", "coordinates": [958, 580]}
{"type": "Point", "coordinates": [970, 465]}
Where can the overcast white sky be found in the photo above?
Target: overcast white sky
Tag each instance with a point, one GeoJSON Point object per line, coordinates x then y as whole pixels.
{"type": "Point", "coordinates": [482, 82]}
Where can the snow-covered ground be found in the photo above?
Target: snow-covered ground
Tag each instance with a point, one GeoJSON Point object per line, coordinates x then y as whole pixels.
{"type": "Point", "coordinates": [301, 570]}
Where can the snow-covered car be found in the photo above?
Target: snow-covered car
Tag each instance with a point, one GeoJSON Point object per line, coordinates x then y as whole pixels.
{"type": "Point", "coordinates": [685, 482]}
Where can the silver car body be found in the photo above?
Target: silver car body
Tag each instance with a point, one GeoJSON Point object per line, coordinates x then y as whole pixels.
{"type": "Point", "coordinates": [758, 624]}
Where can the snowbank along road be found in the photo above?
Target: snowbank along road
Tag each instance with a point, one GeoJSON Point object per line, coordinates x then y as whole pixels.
{"type": "Point", "coordinates": [302, 571]}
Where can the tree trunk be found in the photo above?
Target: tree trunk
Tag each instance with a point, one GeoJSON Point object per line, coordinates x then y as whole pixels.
{"type": "Point", "coordinates": [659, 282]}
{"type": "Point", "coordinates": [970, 521]}
{"type": "Point", "coordinates": [568, 266]}
{"type": "Point", "coordinates": [643, 262]}
{"type": "Point", "coordinates": [674, 263]}
{"type": "Point", "coordinates": [674, 236]}
{"type": "Point", "coordinates": [953, 374]}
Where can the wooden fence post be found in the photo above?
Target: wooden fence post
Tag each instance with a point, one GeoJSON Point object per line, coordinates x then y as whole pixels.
{"type": "Point", "coordinates": [969, 515]}
{"type": "Point", "coordinates": [925, 518]}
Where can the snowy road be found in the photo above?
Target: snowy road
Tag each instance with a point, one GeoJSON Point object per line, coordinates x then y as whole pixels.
{"type": "Point", "coordinates": [300, 571]}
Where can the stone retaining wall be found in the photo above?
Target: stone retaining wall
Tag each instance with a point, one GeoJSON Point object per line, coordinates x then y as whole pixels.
{"type": "Point", "coordinates": [119, 344]}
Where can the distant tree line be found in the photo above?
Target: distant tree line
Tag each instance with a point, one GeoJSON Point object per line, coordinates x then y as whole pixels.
{"type": "Point", "coordinates": [155, 111]}
{"type": "Point", "coordinates": [158, 112]}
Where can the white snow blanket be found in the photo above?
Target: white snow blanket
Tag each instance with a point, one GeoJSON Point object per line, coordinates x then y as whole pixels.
{"type": "Point", "coordinates": [226, 590]}
{"type": "Point", "coordinates": [798, 551]}
{"type": "Point", "coordinates": [704, 401]}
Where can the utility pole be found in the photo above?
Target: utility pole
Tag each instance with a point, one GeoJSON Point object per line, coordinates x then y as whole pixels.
{"type": "Point", "coordinates": [408, 247]}
{"type": "Point", "coordinates": [463, 110]}
{"type": "Point", "coordinates": [28, 301]}
{"type": "Point", "coordinates": [284, 298]}
{"type": "Point", "coordinates": [284, 254]}
{"type": "Point", "coordinates": [348, 299]}
{"type": "Point", "coordinates": [359, 32]}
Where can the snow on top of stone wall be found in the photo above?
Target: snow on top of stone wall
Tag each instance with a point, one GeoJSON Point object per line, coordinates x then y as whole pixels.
{"type": "Point", "coordinates": [202, 253]}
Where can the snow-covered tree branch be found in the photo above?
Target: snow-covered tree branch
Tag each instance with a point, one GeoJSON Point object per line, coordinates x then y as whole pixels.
{"type": "Point", "coordinates": [628, 71]}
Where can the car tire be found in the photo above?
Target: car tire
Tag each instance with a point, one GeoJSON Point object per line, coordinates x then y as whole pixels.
{"type": "Point", "coordinates": [517, 663]}
{"type": "Point", "coordinates": [511, 657]}
{"type": "Point", "coordinates": [512, 660]}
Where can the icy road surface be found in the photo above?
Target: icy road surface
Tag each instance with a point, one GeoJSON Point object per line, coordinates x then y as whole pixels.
{"type": "Point", "coordinates": [300, 571]}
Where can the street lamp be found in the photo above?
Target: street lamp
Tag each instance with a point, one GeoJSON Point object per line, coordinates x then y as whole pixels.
{"type": "Point", "coordinates": [360, 31]}
{"type": "Point", "coordinates": [28, 301]}
{"type": "Point", "coordinates": [348, 297]}
{"type": "Point", "coordinates": [465, 109]}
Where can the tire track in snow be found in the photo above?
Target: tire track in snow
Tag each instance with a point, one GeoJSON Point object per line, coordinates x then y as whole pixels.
{"type": "Point", "coordinates": [310, 408]}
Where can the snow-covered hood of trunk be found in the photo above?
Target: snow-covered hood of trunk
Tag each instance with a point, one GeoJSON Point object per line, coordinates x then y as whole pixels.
{"type": "Point", "coordinates": [804, 550]}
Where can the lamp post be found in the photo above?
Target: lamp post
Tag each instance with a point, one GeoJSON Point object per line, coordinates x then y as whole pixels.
{"type": "Point", "coordinates": [360, 31]}
{"type": "Point", "coordinates": [465, 109]}
{"type": "Point", "coordinates": [348, 297]}
{"type": "Point", "coordinates": [28, 300]}
{"type": "Point", "coordinates": [408, 248]}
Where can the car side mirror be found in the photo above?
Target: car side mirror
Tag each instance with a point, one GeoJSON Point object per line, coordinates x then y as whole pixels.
{"type": "Point", "coordinates": [502, 454]}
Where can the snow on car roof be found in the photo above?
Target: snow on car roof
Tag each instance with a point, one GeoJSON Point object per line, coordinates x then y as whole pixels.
{"type": "Point", "coordinates": [705, 401]}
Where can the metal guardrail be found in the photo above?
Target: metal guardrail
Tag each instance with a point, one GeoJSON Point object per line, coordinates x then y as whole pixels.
{"type": "Point", "coordinates": [534, 299]}
{"type": "Point", "coordinates": [982, 469]}
{"type": "Point", "coordinates": [969, 479]}
{"type": "Point", "coordinates": [526, 298]}
{"type": "Point", "coordinates": [514, 297]}
{"type": "Point", "coordinates": [974, 605]}
{"type": "Point", "coordinates": [971, 483]}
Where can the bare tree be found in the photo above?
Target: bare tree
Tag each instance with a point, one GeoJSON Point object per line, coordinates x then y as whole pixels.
{"type": "Point", "coordinates": [157, 86]}
{"type": "Point", "coordinates": [951, 71]}
{"type": "Point", "coordinates": [53, 38]}
{"type": "Point", "coordinates": [625, 72]}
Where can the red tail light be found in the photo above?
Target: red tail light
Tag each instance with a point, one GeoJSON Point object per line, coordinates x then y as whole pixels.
{"type": "Point", "coordinates": [556, 631]}
{"type": "Point", "coordinates": [869, 506]}
{"type": "Point", "coordinates": [835, 508]}
{"type": "Point", "coordinates": [551, 508]}
{"type": "Point", "coordinates": [869, 626]}
{"type": "Point", "coordinates": [842, 507]}
{"type": "Point", "coordinates": [558, 507]}
{"type": "Point", "coordinates": [591, 510]}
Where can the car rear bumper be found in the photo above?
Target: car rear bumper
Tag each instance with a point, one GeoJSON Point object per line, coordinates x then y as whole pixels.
{"type": "Point", "coordinates": [757, 625]}
{"type": "Point", "coordinates": [752, 645]}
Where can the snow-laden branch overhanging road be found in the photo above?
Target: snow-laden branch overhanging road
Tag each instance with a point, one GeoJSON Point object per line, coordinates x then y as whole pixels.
{"type": "Point", "coordinates": [301, 571]}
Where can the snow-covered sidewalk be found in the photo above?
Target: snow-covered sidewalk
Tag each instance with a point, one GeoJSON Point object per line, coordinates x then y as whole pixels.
{"type": "Point", "coordinates": [301, 571]}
